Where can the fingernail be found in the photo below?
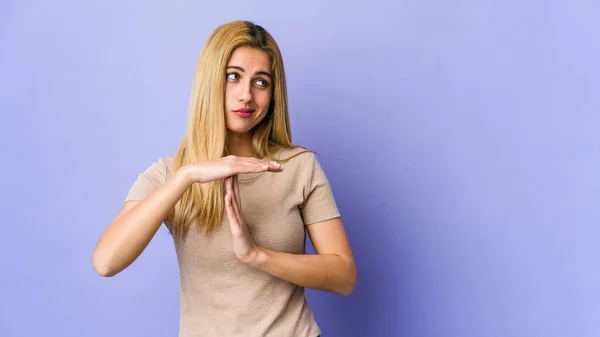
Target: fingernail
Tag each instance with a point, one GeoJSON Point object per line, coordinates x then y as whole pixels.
{"type": "Point", "coordinates": [276, 163]}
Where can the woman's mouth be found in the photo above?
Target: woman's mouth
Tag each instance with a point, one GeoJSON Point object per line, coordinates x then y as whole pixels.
{"type": "Point", "coordinates": [244, 113]}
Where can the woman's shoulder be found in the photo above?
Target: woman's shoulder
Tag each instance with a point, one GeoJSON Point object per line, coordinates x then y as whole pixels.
{"type": "Point", "coordinates": [161, 168]}
{"type": "Point", "coordinates": [169, 162]}
{"type": "Point", "coordinates": [295, 156]}
{"type": "Point", "coordinates": [154, 175]}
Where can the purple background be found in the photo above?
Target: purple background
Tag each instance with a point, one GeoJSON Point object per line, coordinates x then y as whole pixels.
{"type": "Point", "coordinates": [461, 139]}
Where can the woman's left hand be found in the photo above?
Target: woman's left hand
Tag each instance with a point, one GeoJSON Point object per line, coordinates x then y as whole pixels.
{"type": "Point", "coordinates": [243, 245]}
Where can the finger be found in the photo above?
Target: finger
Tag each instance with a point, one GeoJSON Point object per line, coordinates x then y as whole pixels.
{"type": "Point", "coordinates": [235, 202]}
{"type": "Point", "coordinates": [275, 166]}
{"type": "Point", "coordinates": [238, 200]}
{"type": "Point", "coordinates": [258, 162]}
{"type": "Point", "coordinates": [260, 166]}
{"type": "Point", "coordinates": [228, 203]}
{"type": "Point", "coordinates": [236, 192]}
{"type": "Point", "coordinates": [251, 168]}
{"type": "Point", "coordinates": [228, 185]}
{"type": "Point", "coordinates": [229, 210]}
{"type": "Point", "coordinates": [229, 207]}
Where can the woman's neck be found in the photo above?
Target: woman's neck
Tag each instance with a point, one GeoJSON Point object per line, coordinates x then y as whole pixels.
{"type": "Point", "coordinates": [240, 144]}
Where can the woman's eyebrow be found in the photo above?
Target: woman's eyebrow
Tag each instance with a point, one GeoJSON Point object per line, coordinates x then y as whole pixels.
{"type": "Point", "coordinates": [257, 73]}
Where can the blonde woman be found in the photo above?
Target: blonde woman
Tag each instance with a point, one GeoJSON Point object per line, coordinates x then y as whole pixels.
{"type": "Point", "coordinates": [238, 198]}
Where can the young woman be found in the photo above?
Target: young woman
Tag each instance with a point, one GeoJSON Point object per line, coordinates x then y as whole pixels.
{"type": "Point", "coordinates": [237, 198]}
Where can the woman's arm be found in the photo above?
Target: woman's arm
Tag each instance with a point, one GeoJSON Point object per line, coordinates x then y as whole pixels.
{"type": "Point", "coordinates": [331, 269]}
{"type": "Point", "coordinates": [138, 221]}
{"type": "Point", "coordinates": [136, 224]}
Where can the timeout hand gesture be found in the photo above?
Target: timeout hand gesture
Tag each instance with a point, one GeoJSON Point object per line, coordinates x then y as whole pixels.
{"type": "Point", "coordinates": [211, 170]}
{"type": "Point", "coordinates": [243, 245]}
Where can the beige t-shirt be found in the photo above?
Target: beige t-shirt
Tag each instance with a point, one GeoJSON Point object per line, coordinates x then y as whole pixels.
{"type": "Point", "coordinates": [223, 297]}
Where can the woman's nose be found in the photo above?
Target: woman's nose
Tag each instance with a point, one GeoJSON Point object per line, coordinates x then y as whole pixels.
{"type": "Point", "coordinates": [245, 95]}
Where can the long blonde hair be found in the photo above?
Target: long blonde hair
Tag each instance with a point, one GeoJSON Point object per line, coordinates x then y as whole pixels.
{"type": "Point", "coordinates": [206, 133]}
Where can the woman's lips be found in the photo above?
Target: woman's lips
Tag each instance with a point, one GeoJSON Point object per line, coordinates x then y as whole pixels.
{"type": "Point", "coordinates": [244, 113]}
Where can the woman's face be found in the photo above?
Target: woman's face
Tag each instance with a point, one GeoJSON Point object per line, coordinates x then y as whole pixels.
{"type": "Point", "coordinates": [248, 89]}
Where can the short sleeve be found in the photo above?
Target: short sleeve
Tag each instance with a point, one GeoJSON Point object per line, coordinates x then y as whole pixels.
{"type": "Point", "coordinates": [319, 202]}
{"type": "Point", "coordinates": [148, 181]}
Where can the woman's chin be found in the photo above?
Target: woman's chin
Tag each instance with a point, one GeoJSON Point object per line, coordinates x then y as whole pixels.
{"type": "Point", "coordinates": [238, 129]}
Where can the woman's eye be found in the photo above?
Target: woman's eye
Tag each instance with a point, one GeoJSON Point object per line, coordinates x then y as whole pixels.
{"type": "Point", "coordinates": [232, 76]}
{"type": "Point", "coordinates": [261, 83]}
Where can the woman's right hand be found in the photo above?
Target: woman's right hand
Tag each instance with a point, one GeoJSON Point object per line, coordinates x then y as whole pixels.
{"type": "Point", "coordinates": [210, 170]}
